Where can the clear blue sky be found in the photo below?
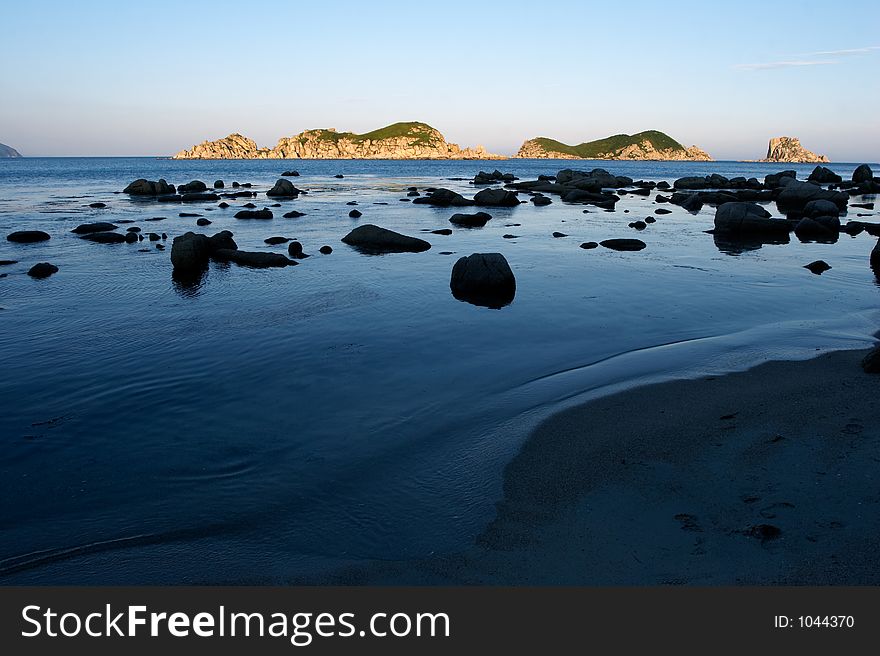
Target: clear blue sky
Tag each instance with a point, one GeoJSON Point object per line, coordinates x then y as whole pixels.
{"type": "Point", "coordinates": [107, 78]}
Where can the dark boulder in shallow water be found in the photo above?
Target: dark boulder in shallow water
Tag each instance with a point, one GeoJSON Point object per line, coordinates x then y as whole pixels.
{"type": "Point", "coordinates": [42, 270]}
{"type": "Point", "coordinates": [284, 188]}
{"type": "Point", "coordinates": [254, 214]}
{"type": "Point", "coordinates": [325, 250]}
{"type": "Point", "coordinates": [143, 187]}
{"type": "Point", "coordinates": [373, 239]}
{"type": "Point", "coordinates": [251, 259]}
{"type": "Point", "coordinates": [496, 198]}
{"type": "Point", "coordinates": [820, 208]}
{"type": "Point", "coordinates": [295, 250]}
{"type": "Point", "coordinates": [821, 228]}
{"type": "Point", "coordinates": [818, 267]}
{"type": "Point", "coordinates": [274, 241]}
{"type": "Point", "coordinates": [443, 198]}
{"type": "Point", "coordinates": [294, 215]}
{"type": "Point", "coordinates": [203, 222]}
{"type": "Point", "coordinates": [218, 184]}
{"type": "Point", "coordinates": [795, 196]}
{"type": "Point", "coordinates": [354, 214]}
{"type": "Point", "coordinates": [106, 237]}
{"type": "Point", "coordinates": [871, 362]}
{"type": "Point", "coordinates": [747, 219]}
{"type": "Point", "coordinates": [541, 201]}
{"type": "Point", "coordinates": [194, 187]}
{"type": "Point", "coordinates": [824, 175]}
{"type": "Point", "coordinates": [863, 174]}
{"type": "Point", "coordinates": [27, 236]}
{"type": "Point", "coordinates": [97, 206]}
{"type": "Point", "coordinates": [191, 251]}
{"type": "Point", "coordinates": [589, 245]}
{"type": "Point", "coordinates": [483, 279]}
{"type": "Point", "coordinates": [442, 231]}
{"type": "Point", "coordinates": [477, 220]}
{"type": "Point", "coordinates": [291, 174]}
{"type": "Point", "coordinates": [693, 203]}
{"type": "Point", "coordinates": [623, 244]}
{"type": "Point", "coordinates": [86, 228]}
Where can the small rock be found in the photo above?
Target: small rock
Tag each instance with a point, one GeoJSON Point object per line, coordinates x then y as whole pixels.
{"type": "Point", "coordinates": [477, 220]}
{"type": "Point", "coordinates": [42, 270]}
{"type": "Point", "coordinates": [325, 250]}
{"type": "Point", "coordinates": [559, 234]}
{"type": "Point", "coordinates": [203, 222]}
{"type": "Point", "coordinates": [355, 214]}
{"type": "Point", "coordinates": [442, 231]}
{"type": "Point", "coordinates": [294, 215]}
{"type": "Point", "coordinates": [623, 244]}
{"type": "Point", "coordinates": [589, 245]}
{"type": "Point", "coordinates": [254, 214]}
{"type": "Point", "coordinates": [27, 236]}
{"type": "Point", "coordinates": [97, 206]}
{"type": "Point", "coordinates": [818, 267]}
{"type": "Point", "coordinates": [273, 241]}
{"type": "Point", "coordinates": [218, 184]}
{"type": "Point", "coordinates": [291, 174]}
{"type": "Point", "coordinates": [86, 228]}
{"type": "Point", "coordinates": [638, 225]}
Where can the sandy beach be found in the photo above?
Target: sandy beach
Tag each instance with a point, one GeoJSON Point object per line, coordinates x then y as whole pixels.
{"type": "Point", "coordinates": [768, 476]}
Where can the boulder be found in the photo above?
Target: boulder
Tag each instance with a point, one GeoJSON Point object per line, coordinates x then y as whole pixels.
{"type": "Point", "coordinates": [291, 174]}
{"type": "Point", "coordinates": [294, 215]}
{"type": "Point", "coordinates": [795, 195]}
{"type": "Point", "coordinates": [101, 226]}
{"type": "Point", "coordinates": [283, 188]}
{"type": "Point", "coordinates": [821, 228]}
{"type": "Point", "coordinates": [820, 208]}
{"type": "Point", "coordinates": [254, 214]}
{"type": "Point", "coordinates": [355, 214]}
{"type": "Point", "coordinates": [477, 220]}
{"type": "Point", "coordinates": [483, 279]}
{"type": "Point", "coordinates": [589, 245]}
{"type": "Point", "coordinates": [623, 244]}
{"type": "Point", "coordinates": [443, 198]}
{"type": "Point", "coordinates": [824, 175]}
{"type": "Point", "coordinates": [693, 203]}
{"type": "Point", "coordinates": [218, 184]}
{"type": "Point", "coordinates": [106, 237]}
{"type": "Point", "coordinates": [97, 206]}
{"type": "Point", "coordinates": [871, 362]}
{"type": "Point", "coordinates": [373, 239]}
{"type": "Point", "coordinates": [252, 259]}
{"type": "Point", "coordinates": [773, 180]}
{"type": "Point", "coordinates": [747, 219]}
{"type": "Point", "coordinates": [274, 241]}
{"type": "Point", "coordinates": [222, 239]}
{"type": "Point", "coordinates": [142, 187]}
{"type": "Point", "coordinates": [190, 252]}
{"type": "Point", "coordinates": [42, 270]}
{"type": "Point", "coordinates": [194, 187]}
{"type": "Point", "coordinates": [541, 201]}
{"type": "Point", "coordinates": [862, 174]}
{"type": "Point", "coordinates": [203, 222]}
{"type": "Point", "coordinates": [27, 236]}
{"type": "Point", "coordinates": [198, 197]}
{"type": "Point", "coordinates": [818, 267]}
{"type": "Point", "coordinates": [325, 250]}
{"type": "Point", "coordinates": [295, 250]}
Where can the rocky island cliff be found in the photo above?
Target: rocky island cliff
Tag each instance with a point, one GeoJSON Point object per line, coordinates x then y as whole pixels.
{"type": "Point", "coordinates": [397, 141]}
{"type": "Point", "coordinates": [789, 149]}
{"type": "Point", "coordinates": [648, 145]}
{"type": "Point", "coordinates": [8, 151]}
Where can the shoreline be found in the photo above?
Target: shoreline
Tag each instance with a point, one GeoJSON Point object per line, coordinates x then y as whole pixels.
{"type": "Point", "coordinates": [766, 476]}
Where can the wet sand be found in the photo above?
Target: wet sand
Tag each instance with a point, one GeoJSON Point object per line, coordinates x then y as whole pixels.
{"type": "Point", "coordinates": [769, 476]}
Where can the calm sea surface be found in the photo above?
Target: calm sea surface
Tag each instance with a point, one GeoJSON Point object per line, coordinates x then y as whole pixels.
{"type": "Point", "coordinates": [270, 425]}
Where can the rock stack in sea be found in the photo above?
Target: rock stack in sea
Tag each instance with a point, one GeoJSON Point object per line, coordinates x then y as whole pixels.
{"type": "Point", "coordinates": [789, 149]}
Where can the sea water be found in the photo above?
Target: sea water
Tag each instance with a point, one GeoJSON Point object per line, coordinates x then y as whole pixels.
{"type": "Point", "coordinates": [269, 426]}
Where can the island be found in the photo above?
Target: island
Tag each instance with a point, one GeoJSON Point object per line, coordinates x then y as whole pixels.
{"type": "Point", "coordinates": [647, 145]}
{"type": "Point", "coordinates": [409, 140]}
{"type": "Point", "coordinates": [789, 149]}
{"type": "Point", "coordinates": [8, 151]}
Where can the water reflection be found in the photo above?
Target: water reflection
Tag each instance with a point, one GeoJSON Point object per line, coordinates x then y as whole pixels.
{"type": "Point", "coordinates": [189, 284]}
{"type": "Point", "coordinates": [738, 245]}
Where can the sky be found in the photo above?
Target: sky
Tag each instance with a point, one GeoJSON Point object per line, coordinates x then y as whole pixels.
{"type": "Point", "coordinates": [91, 78]}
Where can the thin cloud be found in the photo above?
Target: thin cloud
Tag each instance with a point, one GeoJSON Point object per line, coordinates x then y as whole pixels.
{"type": "Point", "coordinates": [809, 59]}
{"type": "Point", "coordinates": [844, 53]}
{"type": "Point", "coordinates": [784, 64]}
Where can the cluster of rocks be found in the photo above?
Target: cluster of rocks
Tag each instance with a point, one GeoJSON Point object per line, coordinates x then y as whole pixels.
{"type": "Point", "coordinates": [483, 178]}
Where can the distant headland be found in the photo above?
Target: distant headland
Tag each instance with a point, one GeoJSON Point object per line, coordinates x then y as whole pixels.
{"type": "Point", "coordinates": [411, 140]}
{"type": "Point", "coordinates": [8, 151]}
{"type": "Point", "coordinates": [648, 145]}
